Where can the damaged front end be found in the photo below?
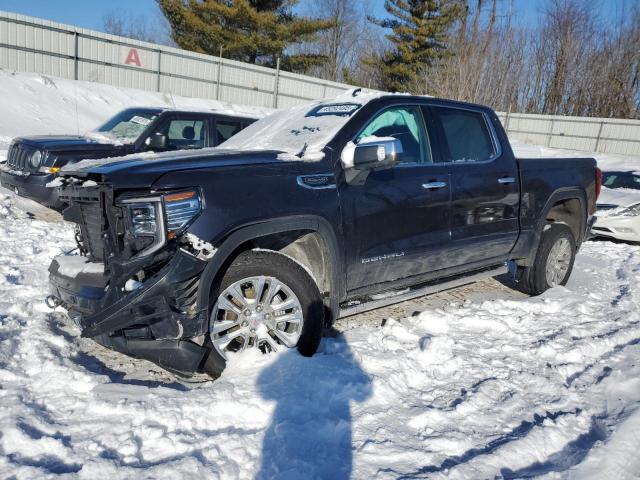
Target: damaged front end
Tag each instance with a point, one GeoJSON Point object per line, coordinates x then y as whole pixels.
{"type": "Point", "coordinates": [134, 286]}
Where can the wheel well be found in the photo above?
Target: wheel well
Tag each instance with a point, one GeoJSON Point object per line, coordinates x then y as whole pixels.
{"type": "Point", "coordinates": [307, 247]}
{"type": "Point", "coordinates": [569, 212]}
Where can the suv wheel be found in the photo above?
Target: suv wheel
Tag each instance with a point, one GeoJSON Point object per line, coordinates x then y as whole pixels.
{"type": "Point", "coordinates": [553, 263]}
{"type": "Point", "coordinates": [265, 301]}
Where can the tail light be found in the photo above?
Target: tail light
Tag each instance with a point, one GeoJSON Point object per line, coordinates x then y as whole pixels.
{"type": "Point", "coordinates": [598, 182]}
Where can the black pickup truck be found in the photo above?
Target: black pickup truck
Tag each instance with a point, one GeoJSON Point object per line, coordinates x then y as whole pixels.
{"type": "Point", "coordinates": [33, 162]}
{"type": "Point", "coordinates": [308, 215]}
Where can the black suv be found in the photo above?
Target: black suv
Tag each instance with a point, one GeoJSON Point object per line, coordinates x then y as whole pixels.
{"type": "Point", "coordinates": [306, 216]}
{"type": "Point", "coordinates": [33, 162]}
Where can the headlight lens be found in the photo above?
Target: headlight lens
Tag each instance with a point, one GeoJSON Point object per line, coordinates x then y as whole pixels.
{"type": "Point", "coordinates": [632, 211]}
{"type": "Point", "coordinates": [143, 219]}
{"type": "Point", "coordinates": [35, 159]}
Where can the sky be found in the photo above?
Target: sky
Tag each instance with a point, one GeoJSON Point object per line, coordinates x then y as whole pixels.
{"type": "Point", "coordinates": [90, 13]}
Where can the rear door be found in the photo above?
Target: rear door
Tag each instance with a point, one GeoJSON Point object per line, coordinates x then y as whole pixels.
{"type": "Point", "coordinates": [484, 187]}
{"type": "Point", "coordinates": [397, 223]}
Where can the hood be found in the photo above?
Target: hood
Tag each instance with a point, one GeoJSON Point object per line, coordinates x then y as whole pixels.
{"type": "Point", "coordinates": [618, 197]}
{"type": "Point", "coordinates": [142, 170]}
{"type": "Point", "coordinates": [66, 143]}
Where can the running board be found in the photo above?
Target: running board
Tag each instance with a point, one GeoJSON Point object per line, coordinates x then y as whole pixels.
{"type": "Point", "coordinates": [421, 291]}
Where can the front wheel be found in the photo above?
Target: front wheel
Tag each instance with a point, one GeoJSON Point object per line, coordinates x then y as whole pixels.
{"type": "Point", "coordinates": [553, 262]}
{"type": "Point", "coordinates": [265, 301]}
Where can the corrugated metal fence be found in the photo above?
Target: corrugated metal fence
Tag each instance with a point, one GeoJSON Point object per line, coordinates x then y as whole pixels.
{"type": "Point", "coordinates": [604, 135]}
{"type": "Point", "coordinates": [34, 45]}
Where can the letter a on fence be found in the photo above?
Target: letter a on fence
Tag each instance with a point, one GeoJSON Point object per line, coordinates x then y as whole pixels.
{"type": "Point", "coordinates": [133, 58]}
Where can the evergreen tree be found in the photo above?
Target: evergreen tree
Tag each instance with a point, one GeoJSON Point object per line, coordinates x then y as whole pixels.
{"type": "Point", "coordinates": [254, 31]}
{"type": "Point", "coordinates": [418, 40]}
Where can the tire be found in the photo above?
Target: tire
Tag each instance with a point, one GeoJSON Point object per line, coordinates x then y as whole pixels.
{"type": "Point", "coordinates": [242, 278]}
{"type": "Point", "coordinates": [534, 280]}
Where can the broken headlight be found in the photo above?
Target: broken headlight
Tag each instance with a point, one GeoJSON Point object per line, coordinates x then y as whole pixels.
{"type": "Point", "coordinates": [161, 217]}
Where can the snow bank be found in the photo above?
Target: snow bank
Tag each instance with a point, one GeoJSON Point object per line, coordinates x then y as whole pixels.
{"type": "Point", "coordinates": [502, 388]}
{"type": "Point", "coordinates": [606, 161]}
{"type": "Point", "coordinates": [34, 104]}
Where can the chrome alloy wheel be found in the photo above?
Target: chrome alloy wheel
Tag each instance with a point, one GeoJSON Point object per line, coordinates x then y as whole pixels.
{"type": "Point", "coordinates": [256, 312]}
{"type": "Point", "coordinates": [558, 262]}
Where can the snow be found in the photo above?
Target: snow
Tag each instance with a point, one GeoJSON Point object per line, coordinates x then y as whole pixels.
{"type": "Point", "coordinates": [56, 182]}
{"type": "Point", "coordinates": [483, 386]}
{"type": "Point", "coordinates": [473, 389]}
{"type": "Point", "coordinates": [72, 265]}
{"type": "Point", "coordinates": [606, 161]}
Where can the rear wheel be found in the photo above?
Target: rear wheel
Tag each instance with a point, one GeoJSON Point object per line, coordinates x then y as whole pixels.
{"type": "Point", "coordinates": [266, 301]}
{"type": "Point", "coordinates": [553, 262]}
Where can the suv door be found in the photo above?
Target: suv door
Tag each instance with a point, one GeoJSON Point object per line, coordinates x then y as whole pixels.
{"type": "Point", "coordinates": [485, 187]}
{"type": "Point", "coordinates": [397, 223]}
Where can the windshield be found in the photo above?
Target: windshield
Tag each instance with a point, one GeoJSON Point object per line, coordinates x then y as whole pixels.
{"type": "Point", "coordinates": [621, 180]}
{"type": "Point", "coordinates": [126, 126]}
{"type": "Point", "coordinates": [301, 132]}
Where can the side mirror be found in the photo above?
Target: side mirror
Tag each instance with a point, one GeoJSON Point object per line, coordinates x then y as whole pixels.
{"type": "Point", "coordinates": [372, 153]}
{"type": "Point", "coordinates": [157, 141]}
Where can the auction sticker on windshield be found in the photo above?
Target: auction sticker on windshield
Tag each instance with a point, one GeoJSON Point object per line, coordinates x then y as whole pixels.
{"type": "Point", "coordinates": [342, 109]}
{"type": "Point", "coordinates": [140, 120]}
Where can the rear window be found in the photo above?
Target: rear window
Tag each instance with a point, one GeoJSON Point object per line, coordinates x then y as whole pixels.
{"type": "Point", "coordinates": [226, 129]}
{"type": "Point", "coordinates": [467, 135]}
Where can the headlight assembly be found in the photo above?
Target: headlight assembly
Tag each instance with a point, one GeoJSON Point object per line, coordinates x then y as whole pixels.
{"type": "Point", "coordinates": [632, 211]}
{"type": "Point", "coordinates": [35, 159]}
{"type": "Point", "coordinates": [161, 217]}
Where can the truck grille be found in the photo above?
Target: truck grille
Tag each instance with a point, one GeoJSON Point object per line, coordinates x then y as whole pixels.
{"type": "Point", "coordinates": [92, 227]}
{"type": "Point", "coordinates": [18, 157]}
{"type": "Point", "coordinates": [90, 217]}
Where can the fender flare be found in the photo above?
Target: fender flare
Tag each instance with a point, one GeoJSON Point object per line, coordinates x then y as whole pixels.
{"type": "Point", "coordinates": [279, 225]}
{"type": "Point", "coordinates": [565, 193]}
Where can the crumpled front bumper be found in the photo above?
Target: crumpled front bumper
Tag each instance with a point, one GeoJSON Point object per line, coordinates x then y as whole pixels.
{"type": "Point", "coordinates": [152, 322]}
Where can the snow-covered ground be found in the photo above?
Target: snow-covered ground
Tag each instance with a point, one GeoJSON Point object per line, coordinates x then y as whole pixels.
{"type": "Point", "coordinates": [511, 387]}
{"type": "Point", "coordinates": [478, 384]}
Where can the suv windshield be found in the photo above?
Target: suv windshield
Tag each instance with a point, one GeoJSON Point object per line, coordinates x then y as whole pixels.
{"type": "Point", "coordinates": [621, 180]}
{"type": "Point", "coordinates": [126, 126]}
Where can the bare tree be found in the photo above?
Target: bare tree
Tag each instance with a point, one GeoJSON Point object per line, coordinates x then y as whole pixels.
{"type": "Point", "coordinates": [571, 63]}
{"type": "Point", "coordinates": [152, 28]}
{"type": "Point", "coordinates": [346, 42]}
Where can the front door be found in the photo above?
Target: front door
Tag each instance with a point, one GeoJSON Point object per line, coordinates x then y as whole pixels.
{"type": "Point", "coordinates": [397, 223]}
{"type": "Point", "coordinates": [484, 187]}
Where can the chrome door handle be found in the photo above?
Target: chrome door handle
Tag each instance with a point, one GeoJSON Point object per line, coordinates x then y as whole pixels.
{"type": "Point", "coordinates": [505, 180]}
{"type": "Point", "coordinates": [434, 185]}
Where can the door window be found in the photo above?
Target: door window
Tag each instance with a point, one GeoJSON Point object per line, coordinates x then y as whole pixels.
{"type": "Point", "coordinates": [467, 135]}
{"type": "Point", "coordinates": [186, 133]}
{"type": "Point", "coordinates": [225, 129]}
{"type": "Point", "coordinates": [405, 124]}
